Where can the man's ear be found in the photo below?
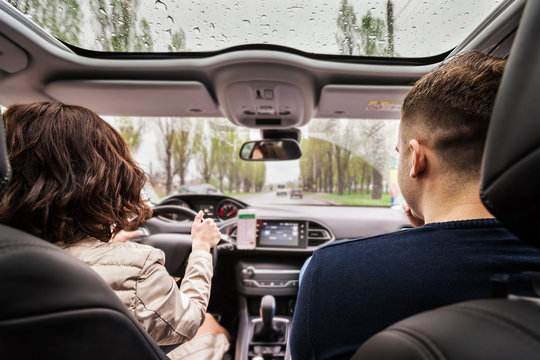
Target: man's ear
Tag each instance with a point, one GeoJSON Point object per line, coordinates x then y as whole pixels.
{"type": "Point", "coordinates": [418, 159]}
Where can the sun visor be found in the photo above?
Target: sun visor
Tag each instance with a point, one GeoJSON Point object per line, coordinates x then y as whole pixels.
{"type": "Point", "coordinates": [136, 97]}
{"type": "Point", "coordinates": [12, 57]}
{"type": "Point", "coordinates": [363, 102]}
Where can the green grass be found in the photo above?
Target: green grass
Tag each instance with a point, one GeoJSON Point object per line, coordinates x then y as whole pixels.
{"type": "Point", "coordinates": [356, 199]}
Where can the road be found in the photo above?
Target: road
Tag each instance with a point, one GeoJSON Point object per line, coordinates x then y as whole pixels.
{"type": "Point", "coordinates": [271, 198]}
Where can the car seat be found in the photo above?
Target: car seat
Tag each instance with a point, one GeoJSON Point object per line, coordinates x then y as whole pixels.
{"type": "Point", "coordinates": [53, 306]}
{"type": "Point", "coordinates": [507, 328]}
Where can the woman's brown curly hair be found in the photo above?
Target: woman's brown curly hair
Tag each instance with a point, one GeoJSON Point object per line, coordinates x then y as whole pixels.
{"type": "Point", "coordinates": [73, 175]}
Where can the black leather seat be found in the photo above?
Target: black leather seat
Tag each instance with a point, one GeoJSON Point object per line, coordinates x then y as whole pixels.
{"type": "Point", "coordinates": [55, 307]}
{"type": "Point", "coordinates": [52, 306]}
{"type": "Point", "coordinates": [492, 329]}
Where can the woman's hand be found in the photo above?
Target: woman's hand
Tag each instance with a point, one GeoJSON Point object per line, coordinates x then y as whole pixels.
{"type": "Point", "coordinates": [204, 233]}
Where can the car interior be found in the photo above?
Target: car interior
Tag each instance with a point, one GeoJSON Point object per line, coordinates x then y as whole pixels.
{"type": "Point", "coordinates": [47, 293]}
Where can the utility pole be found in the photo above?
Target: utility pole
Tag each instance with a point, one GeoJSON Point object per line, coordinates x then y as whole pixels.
{"type": "Point", "coordinates": [390, 24]}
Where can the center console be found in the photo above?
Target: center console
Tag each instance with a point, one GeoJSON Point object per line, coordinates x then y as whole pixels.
{"type": "Point", "coordinates": [268, 295]}
{"type": "Point", "coordinates": [268, 282]}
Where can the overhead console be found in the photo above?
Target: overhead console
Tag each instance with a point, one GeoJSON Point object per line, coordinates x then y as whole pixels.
{"type": "Point", "coordinates": [265, 96]}
{"type": "Point", "coordinates": [265, 104]}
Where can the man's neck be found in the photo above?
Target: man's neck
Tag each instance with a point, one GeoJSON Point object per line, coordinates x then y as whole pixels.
{"type": "Point", "coordinates": [462, 204]}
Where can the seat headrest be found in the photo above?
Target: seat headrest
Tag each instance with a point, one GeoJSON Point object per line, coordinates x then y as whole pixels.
{"type": "Point", "coordinates": [510, 186]}
{"type": "Point", "coordinates": [5, 167]}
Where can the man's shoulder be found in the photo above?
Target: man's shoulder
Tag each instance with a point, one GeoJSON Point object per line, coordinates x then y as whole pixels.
{"type": "Point", "coordinates": [455, 230]}
{"type": "Point", "coordinates": [368, 242]}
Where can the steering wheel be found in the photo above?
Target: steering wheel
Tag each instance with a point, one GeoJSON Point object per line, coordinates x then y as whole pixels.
{"type": "Point", "coordinates": [176, 246]}
{"type": "Point", "coordinates": [168, 209]}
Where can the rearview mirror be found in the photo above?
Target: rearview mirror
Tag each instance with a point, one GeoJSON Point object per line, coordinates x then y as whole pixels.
{"type": "Point", "coordinates": [270, 150]}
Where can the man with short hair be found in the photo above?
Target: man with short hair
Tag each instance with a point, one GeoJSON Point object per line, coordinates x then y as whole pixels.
{"type": "Point", "coordinates": [353, 289]}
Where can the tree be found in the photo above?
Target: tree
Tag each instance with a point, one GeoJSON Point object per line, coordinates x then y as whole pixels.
{"type": "Point", "coordinates": [143, 40]}
{"type": "Point", "coordinates": [375, 139]}
{"type": "Point", "coordinates": [202, 142]}
{"type": "Point", "coordinates": [167, 130]}
{"type": "Point", "coordinates": [372, 34]}
{"type": "Point", "coordinates": [117, 22]}
{"type": "Point", "coordinates": [390, 27]}
{"type": "Point", "coordinates": [259, 175]}
{"type": "Point", "coordinates": [60, 17]}
{"type": "Point", "coordinates": [365, 39]}
{"type": "Point", "coordinates": [178, 41]}
{"type": "Point", "coordinates": [342, 162]}
{"type": "Point", "coordinates": [183, 149]}
{"type": "Point", "coordinates": [222, 146]}
{"type": "Point", "coordinates": [233, 160]}
{"type": "Point", "coordinates": [130, 129]}
{"type": "Point", "coordinates": [347, 37]}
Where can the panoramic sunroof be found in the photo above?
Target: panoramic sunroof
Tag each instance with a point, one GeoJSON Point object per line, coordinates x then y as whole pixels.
{"type": "Point", "coordinates": [386, 28]}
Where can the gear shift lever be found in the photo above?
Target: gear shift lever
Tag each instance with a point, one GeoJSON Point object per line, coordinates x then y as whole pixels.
{"type": "Point", "coordinates": [267, 312]}
{"type": "Point", "coordinates": [267, 331]}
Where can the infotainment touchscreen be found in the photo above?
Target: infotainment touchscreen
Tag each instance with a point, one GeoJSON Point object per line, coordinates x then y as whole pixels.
{"type": "Point", "coordinates": [278, 233]}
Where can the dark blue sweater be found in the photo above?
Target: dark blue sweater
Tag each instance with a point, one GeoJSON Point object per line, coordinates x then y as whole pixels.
{"type": "Point", "coordinates": [353, 289]}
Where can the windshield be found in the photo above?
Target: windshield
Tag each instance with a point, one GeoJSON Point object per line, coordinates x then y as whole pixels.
{"type": "Point", "coordinates": [344, 161]}
{"type": "Point", "coordinates": [385, 28]}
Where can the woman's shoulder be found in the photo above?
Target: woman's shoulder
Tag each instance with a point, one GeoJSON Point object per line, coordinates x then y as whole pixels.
{"type": "Point", "coordinates": [93, 252]}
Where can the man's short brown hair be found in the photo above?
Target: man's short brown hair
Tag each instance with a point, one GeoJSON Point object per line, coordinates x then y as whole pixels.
{"type": "Point", "coordinates": [73, 175]}
{"type": "Point", "coordinates": [449, 109]}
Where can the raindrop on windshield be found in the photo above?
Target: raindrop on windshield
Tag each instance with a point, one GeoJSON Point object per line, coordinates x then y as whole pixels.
{"type": "Point", "coordinates": [196, 29]}
{"type": "Point", "coordinates": [102, 10]}
{"type": "Point", "coordinates": [161, 3]}
{"type": "Point", "coordinates": [296, 7]}
{"type": "Point", "coordinates": [246, 22]}
{"type": "Point", "coordinates": [212, 26]}
{"type": "Point", "coordinates": [170, 18]}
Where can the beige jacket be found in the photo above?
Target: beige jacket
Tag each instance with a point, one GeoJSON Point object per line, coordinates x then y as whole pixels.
{"type": "Point", "coordinates": [137, 275]}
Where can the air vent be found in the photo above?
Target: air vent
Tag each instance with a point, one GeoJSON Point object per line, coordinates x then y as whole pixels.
{"type": "Point", "coordinates": [318, 234]}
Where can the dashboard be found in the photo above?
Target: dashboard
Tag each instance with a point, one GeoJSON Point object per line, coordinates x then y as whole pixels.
{"type": "Point", "coordinates": [217, 207]}
{"type": "Point", "coordinates": [285, 228]}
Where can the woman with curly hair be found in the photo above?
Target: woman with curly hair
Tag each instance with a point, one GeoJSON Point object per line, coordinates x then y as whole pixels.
{"type": "Point", "coordinates": [75, 184]}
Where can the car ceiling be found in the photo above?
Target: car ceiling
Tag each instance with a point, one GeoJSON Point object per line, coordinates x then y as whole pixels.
{"type": "Point", "coordinates": [36, 67]}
